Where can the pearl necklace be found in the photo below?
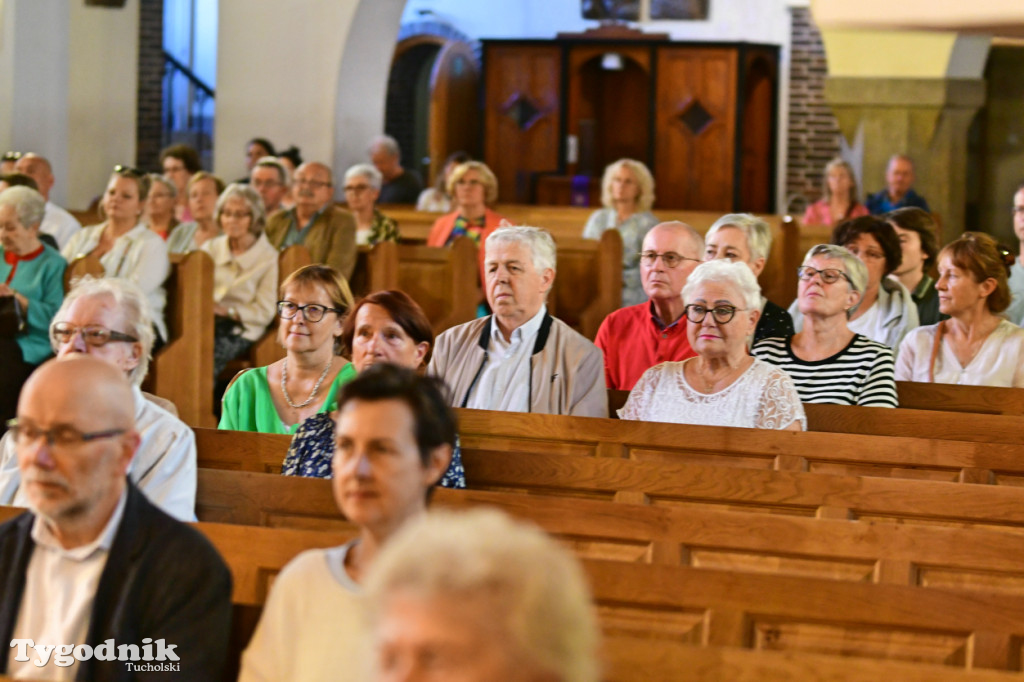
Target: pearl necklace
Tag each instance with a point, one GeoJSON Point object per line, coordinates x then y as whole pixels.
{"type": "Point", "coordinates": [284, 381]}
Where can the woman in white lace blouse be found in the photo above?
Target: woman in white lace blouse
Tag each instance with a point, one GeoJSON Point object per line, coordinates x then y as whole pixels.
{"type": "Point", "coordinates": [723, 385]}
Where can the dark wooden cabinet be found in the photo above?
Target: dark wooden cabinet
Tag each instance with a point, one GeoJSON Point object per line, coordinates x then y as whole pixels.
{"type": "Point", "coordinates": [701, 116]}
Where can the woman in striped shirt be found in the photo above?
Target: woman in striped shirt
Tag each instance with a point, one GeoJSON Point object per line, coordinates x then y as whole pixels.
{"type": "Point", "coordinates": [828, 362]}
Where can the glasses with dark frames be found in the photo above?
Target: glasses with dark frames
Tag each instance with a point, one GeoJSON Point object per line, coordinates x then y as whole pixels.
{"type": "Point", "coordinates": [722, 314]}
{"type": "Point", "coordinates": [312, 312]}
{"type": "Point", "coordinates": [59, 436]}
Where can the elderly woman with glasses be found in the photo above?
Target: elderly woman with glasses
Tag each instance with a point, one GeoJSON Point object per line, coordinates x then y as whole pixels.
{"type": "Point", "coordinates": [244, 274]}
{"type": "Point", "coordinates": [723, 385]}
{"type": "Point", "coordinates": [362, 189]}
{"type": "Point", "coordinates": [125, 246]}
{"type": "Point", "coordinates": [627, 193]}
{"type": "Point", "coordinates": [279, 397]}
{"type": "Point", "coordinates": [159, 213]}
{"type": "Point", "coordinates": [31, 289]}
{"type": "Point", "coordinates": [110, 320]}
{"type": "Point", "coordinates": [828, 362]}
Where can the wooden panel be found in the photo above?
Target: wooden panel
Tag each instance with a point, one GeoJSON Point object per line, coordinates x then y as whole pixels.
{"type": "Point", "coordinates": [516, 151]}
{"type": "Point", "coordinates": [587, 286]}
{"type": "Point", "coordinates": [442, 281]}
{"type": "Point", "coordinates": [608, 110]}
{"type": "Point", "coordinates": [694, 170]}
{"type": "Point", "coordinates": [267, 350]}
{"type": "Point", "coordinates": [757, 133]}
{"type": "Point", "coordinates": [80, 267]}
{"type": "Point", "coordinates": [454, 123]}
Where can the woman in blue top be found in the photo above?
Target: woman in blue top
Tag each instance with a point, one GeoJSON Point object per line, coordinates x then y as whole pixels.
{"type": "Point", "coordinates": [33, 274]}
{"type": "Point", "coordinates": [279, 397]}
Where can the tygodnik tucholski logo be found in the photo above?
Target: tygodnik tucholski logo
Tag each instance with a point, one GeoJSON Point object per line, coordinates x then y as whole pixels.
{"type": "Point", "coordinates": [136, 658]}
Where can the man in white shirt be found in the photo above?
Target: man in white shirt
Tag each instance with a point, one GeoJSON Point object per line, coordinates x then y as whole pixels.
{"type": "Point", "coordinates": [95, 563]}
{"type": "Point", "coordinates": [520, 359]}
{"type": "Point", "coordinates": [57, 222]}
{"type": "Point", "coordinates": [109, 319]}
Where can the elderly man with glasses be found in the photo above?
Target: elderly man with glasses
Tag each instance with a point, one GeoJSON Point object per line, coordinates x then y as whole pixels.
{"type": "Point", "coordinates": [95, 569]}
{"type": "Point", "coordinates": [638, 337]}
{"type": "Point", "coordinates": [329, 232]}
{"type": "Point", "coordinates": [110, 319]}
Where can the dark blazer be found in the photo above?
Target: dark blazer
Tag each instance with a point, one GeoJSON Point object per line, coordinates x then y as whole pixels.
{"type": "Point", "coordinates": [162, 579]}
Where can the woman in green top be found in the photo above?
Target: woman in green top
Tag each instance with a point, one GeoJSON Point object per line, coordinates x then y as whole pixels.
{"type": "Point", "coordinates": [279, 397]}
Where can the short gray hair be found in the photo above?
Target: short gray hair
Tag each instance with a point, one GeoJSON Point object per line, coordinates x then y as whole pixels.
{"type": "Point", "coordinates": [526, 580]}
{"type": "Point", "coordinates": [757, 231]}
{"type": "Point", "coordinates": [738, 275]}
{"type": "Point", "coordinates": [251, 197]}
{"type": "Point", "coordinates": [156, 178]}
{"type": "Point", "coordinates": [368, 171]}
{"type": "Point", "coordinates": [853, 266]}
{"type": "Point", "coordinates": [542, 246]}
{"type": "Point", "coordinates": [128, 297]}
{"type": "Point", "coordinates": [283, 173]}
{"type": "Point", "coordinates": [387, 143]}
{"type": "Point", "coordinates": [28, 204]}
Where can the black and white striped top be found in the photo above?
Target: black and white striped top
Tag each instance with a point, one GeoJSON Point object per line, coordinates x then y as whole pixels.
{"type": "Point", "coordinates": [863, 373]}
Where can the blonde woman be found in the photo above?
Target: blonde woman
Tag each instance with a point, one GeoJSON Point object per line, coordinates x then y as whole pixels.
{"type": "Point", "coordinates": [839, 202]}
{"type": "Point", "coordinates": [627, 193]}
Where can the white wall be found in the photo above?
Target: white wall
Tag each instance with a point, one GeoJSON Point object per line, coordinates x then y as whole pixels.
{"type": "Point", "coordinates": [277, 76]}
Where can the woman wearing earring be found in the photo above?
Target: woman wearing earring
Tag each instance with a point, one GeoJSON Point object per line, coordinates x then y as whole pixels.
{"type": "Point", "coordinates": [279, 397]}
{"type": "Point", "coordinates": [126, 247]}
{"type": "Point", "coordinates": [828, 362]}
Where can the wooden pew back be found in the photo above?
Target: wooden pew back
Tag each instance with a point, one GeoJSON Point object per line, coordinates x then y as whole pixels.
{"type": "Point", "coordinates": [442, 281]}
{"type": "Point", "coordinates": [588, 283]}
{"type": "Point", "coordinates": [182, 371]}
{"type": "Point", "coordinates": [267, 350]}
{"type": "Point", "coordinates": [80, 267]}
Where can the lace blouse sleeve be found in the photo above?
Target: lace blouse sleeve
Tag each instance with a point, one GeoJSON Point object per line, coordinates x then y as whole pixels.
{"type": "Point", "coordinates": [780, 403]}
{"type": "Point", "coordinates": [640, 397]}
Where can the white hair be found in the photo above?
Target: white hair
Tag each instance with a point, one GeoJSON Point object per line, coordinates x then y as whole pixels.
{"type": "Point", "coordinates": [365, 170]}
{"type": "Point", "coordinates": [738, 275]}
{"type": "Point", "coordinates": [853, 266]}
{"type": "Point", "coordinates": [757, 232]}
{"type": "Point", "coordinates": [387, 143]}
{"type": "Point", "coordinates": [539, 241]}
{"type": "Point", "coordinates": [526, 580]}
{"type": "Point", "coordinates": [28, 204]}
{"type": "Point", "coordinates": [129, 299]}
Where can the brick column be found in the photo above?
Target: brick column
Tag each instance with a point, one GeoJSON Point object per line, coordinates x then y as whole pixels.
{"type": "Point", "coordinates": [149, 130]}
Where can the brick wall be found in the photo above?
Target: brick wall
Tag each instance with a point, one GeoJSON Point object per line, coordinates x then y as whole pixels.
{"type": "Point", "coordinates": [813, 132]}
{"type": "Point", "coordinates": [149, 130]}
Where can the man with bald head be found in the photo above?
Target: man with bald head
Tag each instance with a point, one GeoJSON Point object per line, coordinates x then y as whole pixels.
{"type": "Point", "coordinates": [93, 562]}
{"type": "Point", "coordinates": [57, 222]}
{"type": "Point", "coordinates": [329, 232]}
{"type": "Point", "coordinates": [641, 336]}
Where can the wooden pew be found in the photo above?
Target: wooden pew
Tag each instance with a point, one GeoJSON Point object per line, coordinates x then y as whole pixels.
{"type": "Point", "coordinates": [948, 426]}
{"type": "Point", "coordinates": [977, 559]}
{"type": "Point", "coordinates": [778, 280]}
{"type": "Point", "coordinates": [588, 283]}
{"type": "Point", "coordinates": [182, 371]}
{"type": "Point", "coordinates": [80, 267]}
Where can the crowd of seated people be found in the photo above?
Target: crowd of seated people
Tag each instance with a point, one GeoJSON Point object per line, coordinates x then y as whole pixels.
{"type": "Point", "coordinates": [366, 390]}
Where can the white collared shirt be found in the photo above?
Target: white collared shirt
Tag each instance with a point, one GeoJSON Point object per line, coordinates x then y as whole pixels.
{"type": "Point", "coordinates": [164, 465]}
{"type": "Point", "coordinates": [504, 383]}
{"type": "Point", "coordinates": [60, 587]}
{"type": "Point", "coordinates": [59, 224]}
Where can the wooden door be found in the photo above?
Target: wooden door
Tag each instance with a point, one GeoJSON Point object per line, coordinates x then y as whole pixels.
{"type": "Point", "coordinates": [757, 133]}
{"type": "Point", "coordinates": [694, 156]}
{"type": "Point", "coordinates": [522, 113]}
{"type": "Point", "coordinates": [454, 105]}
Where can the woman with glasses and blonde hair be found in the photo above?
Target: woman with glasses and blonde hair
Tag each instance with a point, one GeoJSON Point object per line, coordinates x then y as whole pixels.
{"type": "Point", "coordinates": [977, 346]}
{"type": "Point", "coordinates": [839, 202]}
{"type": "Point", "coordinates": [724, 385]}
{"type": "Point", "coordinates": [627, 194]}
{"type": "Point", "coordinates": [125, 246]}
{"type": "Point", "coordinates": [828, 362]}
{"type": "Point", "coordinates": [279, 397]}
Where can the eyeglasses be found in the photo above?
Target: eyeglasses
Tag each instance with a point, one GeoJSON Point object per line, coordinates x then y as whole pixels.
{"type": "Point", "coordinates": [828, 275]}
{"type": "Point", "coordinates": [356, 189]}
{"type": "Point", "coordinates": [315, 184]}
{"type": "Point", "coordinates": [722, 314]}
{"type": "Point", "coordinates": [313, 312]}
{"type": "Point", "coordinates": [128, 170]}
{"type": "Point", "coordinates": [240, 215]}
{"type": "Point", "coordinates": [58, 437]}
{"type": "Point", "coordinates": [671, 259]}
{"type": "Point", "coordinates": [92, 334]}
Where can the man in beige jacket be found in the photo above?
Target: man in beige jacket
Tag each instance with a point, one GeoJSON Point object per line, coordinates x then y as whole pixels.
{"type": "Point", "coordinates": [520, 359]}
{"type": "Point", "coordinates": [327, 231]}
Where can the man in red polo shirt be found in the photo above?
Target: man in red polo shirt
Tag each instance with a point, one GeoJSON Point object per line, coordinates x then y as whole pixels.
{"type": "Point", "coordinates": [638, 337]}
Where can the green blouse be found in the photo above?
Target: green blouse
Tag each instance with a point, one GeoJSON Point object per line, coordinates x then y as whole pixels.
{"type": "Point", "coordinates": [248, 405]}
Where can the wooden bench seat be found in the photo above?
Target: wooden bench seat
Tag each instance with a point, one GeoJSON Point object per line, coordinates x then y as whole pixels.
{"type": "Point", "coordinates": [699, 536]}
